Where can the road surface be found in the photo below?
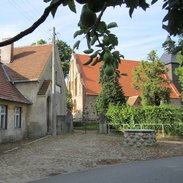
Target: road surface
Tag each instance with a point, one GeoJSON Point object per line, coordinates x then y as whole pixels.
{"type": "Point", "coordinates": [167, 170]}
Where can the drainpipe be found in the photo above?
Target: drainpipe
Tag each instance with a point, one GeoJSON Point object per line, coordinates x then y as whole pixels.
{"type": "Point", "coordinates": [54, 130]}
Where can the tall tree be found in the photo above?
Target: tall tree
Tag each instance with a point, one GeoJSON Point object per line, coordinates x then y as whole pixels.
{"type": "Point", "coordinates": [65, 53]}
{"type": "Point", "coordinates": [150, 78]}
{"type": "Point", "coordinates": [111, 90]}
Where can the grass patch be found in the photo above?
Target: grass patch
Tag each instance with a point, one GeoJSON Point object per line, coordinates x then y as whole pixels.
{"type": "Point", "coordinates": [87, 126]}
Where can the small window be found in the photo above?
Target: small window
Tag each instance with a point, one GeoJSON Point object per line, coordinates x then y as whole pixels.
{"type": "Point", "coordinates": [17, 117]}
{"type": "Point", "coordinates": [3, 116]}
{"type": "Point", "coordinates": [58, 89]}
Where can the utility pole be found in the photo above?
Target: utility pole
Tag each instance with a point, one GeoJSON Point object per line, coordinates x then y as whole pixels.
{"type": "Point", "coordinates": [54, 128]}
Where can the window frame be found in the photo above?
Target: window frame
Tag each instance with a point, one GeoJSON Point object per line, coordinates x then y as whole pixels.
{"type": "Point", "coordinates": [3, 125]}
{"type": "Point", "coordinates": [17, 124]}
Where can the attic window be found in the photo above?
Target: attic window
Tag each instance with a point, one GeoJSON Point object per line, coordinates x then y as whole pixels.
{"type": "Point", "coordinates": [58, 89]}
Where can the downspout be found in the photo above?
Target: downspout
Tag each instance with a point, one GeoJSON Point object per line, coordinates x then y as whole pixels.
{"type": "Point", "coordinates": [54, 130]}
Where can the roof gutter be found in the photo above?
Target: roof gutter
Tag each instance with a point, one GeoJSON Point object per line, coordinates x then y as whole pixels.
{"type": "Point", "coordinates": [25, 81]}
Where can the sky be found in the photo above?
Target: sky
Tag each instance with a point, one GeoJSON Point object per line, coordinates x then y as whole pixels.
{"type": "Point", "coordinates": [137, 36]}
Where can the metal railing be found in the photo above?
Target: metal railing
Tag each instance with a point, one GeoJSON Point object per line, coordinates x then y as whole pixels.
{"type": "Point", "coordinates": [162, 127]}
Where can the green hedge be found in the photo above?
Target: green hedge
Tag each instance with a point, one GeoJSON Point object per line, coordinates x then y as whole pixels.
{"type": "Point", "coordinates": [169, 115]}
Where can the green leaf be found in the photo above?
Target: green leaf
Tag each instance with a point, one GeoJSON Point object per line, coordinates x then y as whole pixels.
{"type": "Point", "coordinates": [72, 6]}
{"type": "Point", "coordinates": [143, 5]}
{"type": "Point", "coordinates": [96, 61]}
{"type": "Point", "coordinates": [93, 40]}
{"type": "Point", "coordinates": [77, 33]}
{"type": "Point", "coordinates": [113, 39]}
{"type": "Point", "coordinates": [88, 62]}
{"type": "Point", "coordinates": [166, 18]}
{"type": "Point", "coordinates": [88, 51]}
{"type": "Point", "coordinates": [131, 12]}
{"type": "Point", "coordinates": [94, 54]}
{"type": "Point", "coordinates": [53, 11]}
{"type": "Point", "coordinates": [76, 44]}
{"type": "Point", "coordinates": [102, 27]}
{"type": "Point", "coordinates": [112, 25]}
{"type": "Point", "coordinates": [46, 1]}
{"type": "Point", "coordinates": [165, 5]}
{"type": "Point", "coordinates": [153, 1]}
{"type": "Point", "coordinates": [88, 39]}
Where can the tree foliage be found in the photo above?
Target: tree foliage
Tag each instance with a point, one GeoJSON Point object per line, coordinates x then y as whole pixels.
{"type": "Point", "coordinates": [97, 32]}
{"type": "Point", "coordinates": [69, 102]}
{"type": "Point", "coordinates": [111, 93]}
{"type": "Point", "coordinates": [39, 42]}
{"type": "Point", "coordinates": [176, 48]}
{"type": "Point", "coordinates": [150, 77]}
{"type": "Point", "coordinates": [172, 22]}
{"type": "Point", "coordinates": [150, 117]}
{"type": "Point", "coordinates": [179, 70]}
{"type": "Point", "coordinates": [173, 47]}
{"type": "Point", "coordinates": [65, 53]}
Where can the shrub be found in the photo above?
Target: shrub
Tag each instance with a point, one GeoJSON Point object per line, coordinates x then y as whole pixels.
{"type": "Point", "coordinates": [135, 117]}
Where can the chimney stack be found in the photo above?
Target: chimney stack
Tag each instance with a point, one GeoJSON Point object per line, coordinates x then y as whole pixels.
{"type": "Point", "coordinates": [7, 53]}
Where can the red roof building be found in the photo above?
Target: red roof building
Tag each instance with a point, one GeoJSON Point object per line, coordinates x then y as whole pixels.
{"type": "Point", "coordinates": [26, 92]}
{"type": "Point", "coordinates": [86, 77]}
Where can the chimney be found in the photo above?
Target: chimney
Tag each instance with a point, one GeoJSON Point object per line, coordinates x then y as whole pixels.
{"type": "Point", "coordinates": [7, 53]}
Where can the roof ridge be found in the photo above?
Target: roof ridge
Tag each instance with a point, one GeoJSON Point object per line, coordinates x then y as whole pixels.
{"type": "Point", "coordinates": [40, 45]}
{"type": "Point", "coordinates": [77, 54]}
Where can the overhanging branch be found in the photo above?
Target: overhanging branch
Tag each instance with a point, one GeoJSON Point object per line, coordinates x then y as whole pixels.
{"type": "Point", "coordinates": [34, 26]}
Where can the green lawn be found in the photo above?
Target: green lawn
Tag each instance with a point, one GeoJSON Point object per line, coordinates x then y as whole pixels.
{"type": "Point", "coordinates": [87, 126]}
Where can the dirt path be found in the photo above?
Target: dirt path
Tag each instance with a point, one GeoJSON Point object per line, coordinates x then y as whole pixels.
{"type": "Point", "coordinates": [75, 152]}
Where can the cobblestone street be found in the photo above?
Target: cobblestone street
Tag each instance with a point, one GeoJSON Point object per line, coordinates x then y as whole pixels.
{"type": "Point", "coordinates": [75, 152]}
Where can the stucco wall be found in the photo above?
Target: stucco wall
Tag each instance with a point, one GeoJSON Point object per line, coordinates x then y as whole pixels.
{"type": "Point", "coordinates": [37, 112]}
{"type": "Point", "coordinates": [13, 134]}
{"type": "Point", "coordinates": [90, 107]}
{"type": "Point", "coordinates": [75, 86]}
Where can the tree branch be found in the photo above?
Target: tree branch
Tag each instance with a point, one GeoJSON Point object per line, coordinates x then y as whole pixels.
{"type": "Point", "coordinates": [34, 25]}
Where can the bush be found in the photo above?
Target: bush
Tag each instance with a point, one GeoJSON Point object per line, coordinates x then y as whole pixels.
{"type": "Point", "coordinates": [135, 117]}
{"type": "Point", "coordinates": [175, 129]}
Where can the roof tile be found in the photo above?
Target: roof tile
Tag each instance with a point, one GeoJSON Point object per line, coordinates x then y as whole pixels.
{"type": "Point", "coordinates": [90, 76]}
{"type": "Point", "coordinates": [8, 91]}
{"type": "Point", "coordinates": [28, 62]}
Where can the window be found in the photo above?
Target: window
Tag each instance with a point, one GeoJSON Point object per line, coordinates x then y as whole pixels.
{"type": "Point", "coordinates": [17, 117]}
{"type": "Point", "coordinates": [3, 116]}
{"type": "Point", "coordinates": [76, 87]}
{"type": "Point", "coordinates": [58, 89]}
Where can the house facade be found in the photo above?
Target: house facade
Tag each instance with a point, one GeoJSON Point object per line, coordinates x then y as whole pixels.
{"type": "Point", "coordinates": [32, 92]}
{"type": "Point", "coordinates": [84, 86]}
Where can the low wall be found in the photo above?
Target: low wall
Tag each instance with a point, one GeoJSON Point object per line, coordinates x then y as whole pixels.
{"type": "Point", "coordinates": [139, 138]}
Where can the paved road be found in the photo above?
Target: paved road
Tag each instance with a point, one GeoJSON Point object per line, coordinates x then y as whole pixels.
{"type": "Point", "coordinates": [168, 170]}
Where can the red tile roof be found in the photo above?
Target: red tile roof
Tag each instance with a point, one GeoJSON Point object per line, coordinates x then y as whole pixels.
{"type": "Point", "coordinates": [90, 76]}
{"type": "Point", "coordinates": [28, 62]}
{"type": "Point", "coordinates": [8, 91]}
